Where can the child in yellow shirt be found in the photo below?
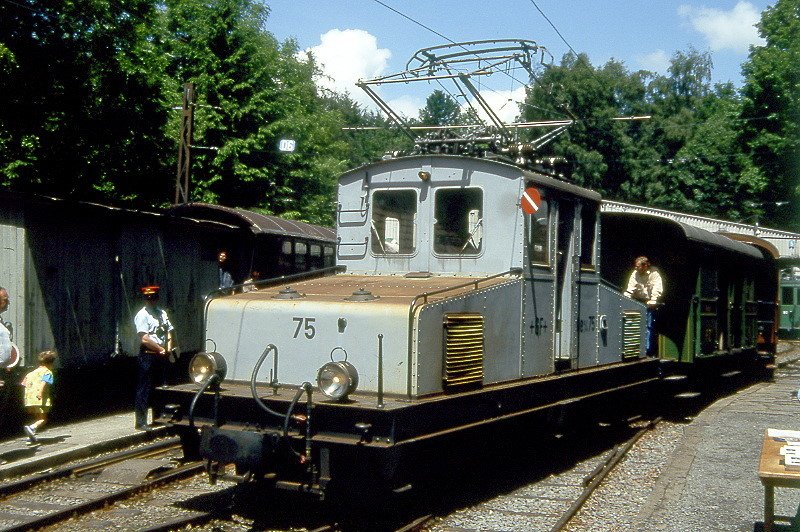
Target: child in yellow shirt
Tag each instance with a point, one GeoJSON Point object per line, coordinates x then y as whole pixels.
{"type": "Point", "coordinates": [38, 384]}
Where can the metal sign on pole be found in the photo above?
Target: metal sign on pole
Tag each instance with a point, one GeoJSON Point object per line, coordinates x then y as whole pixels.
{"type": "Point", "coordinates": [184, 149]}
{"type": "Point", "coordinates": [287, 145]}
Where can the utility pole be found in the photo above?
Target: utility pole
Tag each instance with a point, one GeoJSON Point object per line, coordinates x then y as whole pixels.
{"type": "Point", "coordinates": [184, 149]}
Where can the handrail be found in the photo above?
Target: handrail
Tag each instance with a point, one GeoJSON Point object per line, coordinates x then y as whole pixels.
{"type": "Point", "coordinates": [424, 296]}
{"type": "Point", "coordinates": [263, 283]}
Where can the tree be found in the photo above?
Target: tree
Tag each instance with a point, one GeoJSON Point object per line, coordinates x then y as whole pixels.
{"type": "Point", "coordinates": [83, 111]}
{"type": "Point", "coordinates": [366, 145]}
{"type": "Point", "coordinates": [771, 109]}
{"type": "Point", "coordinates": [440, 110]}
{"type": "Point", "coordinates": [253, 92]}
{"type": "Point", "coordinates": [600, 149]}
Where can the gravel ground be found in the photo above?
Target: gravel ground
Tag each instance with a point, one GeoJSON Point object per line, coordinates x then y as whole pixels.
{"type": "Point", "coordinates": [615, 504]}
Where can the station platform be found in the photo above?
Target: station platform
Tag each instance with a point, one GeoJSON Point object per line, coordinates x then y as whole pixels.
{"type": "Point", "coordinates": [711, 481]}
{"type": "Point", "coordinates": [58, 444]}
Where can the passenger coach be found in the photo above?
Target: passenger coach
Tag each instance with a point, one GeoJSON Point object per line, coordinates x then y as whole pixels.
{"type": "Point", "coordinates": [719, 303]}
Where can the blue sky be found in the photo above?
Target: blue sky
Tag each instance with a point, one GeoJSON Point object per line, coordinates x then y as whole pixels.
{"type": "Point", "coordinates": [364, 39]}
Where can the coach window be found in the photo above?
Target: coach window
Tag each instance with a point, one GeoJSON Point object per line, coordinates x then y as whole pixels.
{"type": "Point", "coordinates": [787, 298]}
{"type": "Point", "coordinates": [328, 256]}
{"type": "Point", "coordinates": [588, 233]}
{"type": "Point", "coordinates": [458, 228]}
{"type": "Point", "coordinates": [539, 233]}
{"type": "Point", "coordinates": [394, 214]}
{"type": "Point", "coordinates": [300, 250]}
{"type": "Point", "coordinates": [285, 259]}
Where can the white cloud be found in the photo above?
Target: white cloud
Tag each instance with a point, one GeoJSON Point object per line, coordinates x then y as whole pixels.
{"type": "Point", "coordinates": [734, 29]}
{"type": "Point", "coordinates": [657, 61]}
{"type": "Point", "coordinates": [345, 56]}
{"type": "Point", "coordinates": [407, 106]}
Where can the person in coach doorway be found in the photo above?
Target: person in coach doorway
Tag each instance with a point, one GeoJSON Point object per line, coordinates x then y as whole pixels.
{"type": "Point", "coordinates": [225, 277]}
{"type": "Point", "coordinates": [156, 335]}
{"type": "Point", "coordinates": [645, 285]}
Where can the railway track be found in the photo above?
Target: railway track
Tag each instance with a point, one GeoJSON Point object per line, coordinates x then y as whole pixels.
{"type": "Point", "coordinates": [548, 499]}
{"type": "Point", "coordinates": [64, 493]}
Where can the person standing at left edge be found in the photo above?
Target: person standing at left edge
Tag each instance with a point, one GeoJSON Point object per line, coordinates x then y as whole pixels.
{"type": "Point", "coordinates": [156, 338]}
{"type": "Point", "coordinates": [9, 357]}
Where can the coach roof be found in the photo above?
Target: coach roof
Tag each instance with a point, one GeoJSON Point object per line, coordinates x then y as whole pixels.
{"type": "Point", "coordinates": [257, 223]}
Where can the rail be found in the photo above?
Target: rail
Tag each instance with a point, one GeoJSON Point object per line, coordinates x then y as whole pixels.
{"type": "Point", "coordinates": [415, 303]}
{"type": "Point", "coordinates": [596, 477]}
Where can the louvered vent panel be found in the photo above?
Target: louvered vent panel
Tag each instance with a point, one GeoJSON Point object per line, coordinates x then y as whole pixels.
{"type": "Point", "coordinates": [463, 350]}
{"type": "Point", "coordinates": [631, 334]}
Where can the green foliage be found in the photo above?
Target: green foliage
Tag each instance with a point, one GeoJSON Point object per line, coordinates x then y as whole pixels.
{"type": "Point", "coordinates": [440, 110]}
{"type": "Point", "coordinates": [253, 92]}
{"type": "Point", "coordinates": [88, 90]}
{"type": "Point", "coordinates": [771, 110]}
{"type": "Point", "coordinates": [687, 156]}
{"type": "Point", "coordinates": [83, 110]}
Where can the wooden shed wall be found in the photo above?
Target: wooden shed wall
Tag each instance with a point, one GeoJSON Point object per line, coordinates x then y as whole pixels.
{"type": "Point", "coordinates": [74, 272]}
{"type": "Point", "coordinates": [13, 254]}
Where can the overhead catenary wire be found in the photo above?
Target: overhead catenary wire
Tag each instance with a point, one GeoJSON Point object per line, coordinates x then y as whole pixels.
{"type": "Point", "coordinates": [553, 26]}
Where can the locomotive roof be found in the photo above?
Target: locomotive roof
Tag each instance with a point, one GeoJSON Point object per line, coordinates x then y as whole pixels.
{"type": "Point", "coordinates": [389, 289]}
{"type": "Point", "coordinates": [257, 223]}
{"type": "Point", "coordinates": [694, 234]}
{"type": "Point", "coordinates": [464, 161]}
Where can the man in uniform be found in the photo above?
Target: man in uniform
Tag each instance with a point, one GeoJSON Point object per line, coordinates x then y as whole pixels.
{"type": "Point", "coordinates": [645, 285]}
{"type": "Point", "coordinates": [156, 345]}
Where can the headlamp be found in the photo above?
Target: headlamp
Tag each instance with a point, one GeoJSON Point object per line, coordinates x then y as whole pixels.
{"type": "Point", "coordinates": [337, 380]}
{"type": "Point", "coordinates": [206, 364]}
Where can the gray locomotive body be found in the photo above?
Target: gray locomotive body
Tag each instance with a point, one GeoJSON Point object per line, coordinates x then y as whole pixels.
{"type": "Point", "coordinates": [471, 296]}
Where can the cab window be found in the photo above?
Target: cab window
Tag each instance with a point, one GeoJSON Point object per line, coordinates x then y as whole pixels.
{"type": "Point", "coordinates": [588, 232]}
{"type": "Point", "coordinates": [394, 214]}
{"type": "Point", "coordinates": [458, 229]}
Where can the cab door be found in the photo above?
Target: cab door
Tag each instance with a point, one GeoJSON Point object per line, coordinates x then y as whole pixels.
{"type": "Point", "coordinates": [588, 287]}
{"type": "Point", "coordinates": [566, 286]}
{"type": "Point", "coordinates": [539, 294]}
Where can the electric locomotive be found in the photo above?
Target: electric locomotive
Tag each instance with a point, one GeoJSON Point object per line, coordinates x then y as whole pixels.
{"type": "Point", "coordinates": [472, 294]}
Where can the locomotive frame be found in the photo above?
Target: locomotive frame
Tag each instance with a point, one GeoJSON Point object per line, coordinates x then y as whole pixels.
{"type": "Point", "coordinates": [441, 345]}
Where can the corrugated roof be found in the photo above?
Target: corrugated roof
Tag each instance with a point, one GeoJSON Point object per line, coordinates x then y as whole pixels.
{"type": "Point", "coordinates": [694, 234]}
{"type": "Point", "coordinates": [257, 223]}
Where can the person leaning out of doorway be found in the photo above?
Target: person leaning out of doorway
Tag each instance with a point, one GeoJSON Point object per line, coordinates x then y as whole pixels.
{"type": "Point", "coordinates": [645, 285]}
